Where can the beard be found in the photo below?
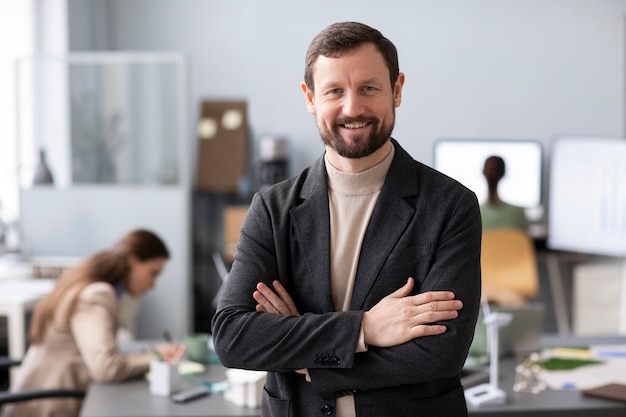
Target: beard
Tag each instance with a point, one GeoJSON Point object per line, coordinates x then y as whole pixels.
{"type": "Point", "coordinates": [358, 146]}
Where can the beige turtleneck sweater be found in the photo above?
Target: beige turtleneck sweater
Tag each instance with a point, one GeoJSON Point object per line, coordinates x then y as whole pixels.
{"type": "Point", "coordinates": [352, 197]}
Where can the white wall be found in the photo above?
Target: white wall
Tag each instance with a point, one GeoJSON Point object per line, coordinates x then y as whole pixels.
{"type": "Point", "coordinates": [480, 68]}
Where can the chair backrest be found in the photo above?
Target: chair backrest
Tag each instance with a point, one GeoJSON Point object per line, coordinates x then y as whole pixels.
{"type": "Point", "coordinates": [508, 263]}
{"type": "Point", "coordinates": [7, 396]}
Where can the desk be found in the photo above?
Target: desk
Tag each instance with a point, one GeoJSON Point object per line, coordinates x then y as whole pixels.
{"type": "Point", "coordinates": [133, 399]}
{"type": "Point", "coordinates": [547, 403]}
{"type": "Point", "coordinates": [552, 403]}
{"type": "Point", "coordinates": [18, 297]}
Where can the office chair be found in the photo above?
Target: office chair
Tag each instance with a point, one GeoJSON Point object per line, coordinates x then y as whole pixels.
{"type": "Point", "coordinates": [509, 267]}
{"type": "Point", "coordinates": [32, 394]}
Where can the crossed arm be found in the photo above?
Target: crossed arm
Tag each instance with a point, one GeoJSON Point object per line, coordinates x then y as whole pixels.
{"type": "Point", "coordinates": [396, 319]}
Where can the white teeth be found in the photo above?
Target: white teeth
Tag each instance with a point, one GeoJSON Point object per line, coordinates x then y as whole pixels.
{"type": "Point", "coordinates": [354, 125]}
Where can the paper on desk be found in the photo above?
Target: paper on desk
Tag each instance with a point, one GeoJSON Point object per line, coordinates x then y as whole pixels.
{"type": "Point", "coordinates": [612, 370]}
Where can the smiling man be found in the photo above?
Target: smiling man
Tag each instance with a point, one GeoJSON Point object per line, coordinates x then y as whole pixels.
{"type": "Point", "coordinates": [356, 284]}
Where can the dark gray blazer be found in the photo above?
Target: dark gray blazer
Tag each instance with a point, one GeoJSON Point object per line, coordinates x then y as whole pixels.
{"type": "Point", "coordinates": [425, 225]}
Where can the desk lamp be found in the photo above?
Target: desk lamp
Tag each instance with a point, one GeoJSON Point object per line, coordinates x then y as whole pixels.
{"type": "Point", "coordinates": [489, 393]}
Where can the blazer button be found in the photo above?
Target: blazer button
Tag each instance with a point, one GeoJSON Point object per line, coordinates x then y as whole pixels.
{"type": "Point", "coordinates": [326, 409]}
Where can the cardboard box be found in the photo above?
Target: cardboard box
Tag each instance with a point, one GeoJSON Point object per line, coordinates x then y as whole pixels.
{"type": "Point", "coordinates": [222, 146]}
{"type": "Point", "coordinates": [233, 219]}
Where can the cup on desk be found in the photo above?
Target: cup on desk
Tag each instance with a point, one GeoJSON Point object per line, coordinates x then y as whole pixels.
{"type": "Point", "coordinates": [198, 348]}
{"type": "Point", "coordinates": [164, 378]}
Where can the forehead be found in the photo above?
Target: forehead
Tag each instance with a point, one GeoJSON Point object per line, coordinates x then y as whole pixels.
{"type": "Point", "coordinates": [364, 62]}
{"type": "Point", "coordinates": [154, 263]}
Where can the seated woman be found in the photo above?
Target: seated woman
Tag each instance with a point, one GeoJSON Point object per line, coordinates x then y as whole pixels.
{"type": "Point", "coordinates": [73, 329]}
{"type": "Point", "coordinates": [495, 213]}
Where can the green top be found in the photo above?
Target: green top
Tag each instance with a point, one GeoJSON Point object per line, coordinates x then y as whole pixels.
{"type": "Point", "coordinates": [502, 216]}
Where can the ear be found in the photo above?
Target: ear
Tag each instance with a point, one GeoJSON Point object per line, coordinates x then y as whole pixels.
{"type": "Point", "coordinates": [309, 97]}
{"type": "Point", "coordinates": [397, 90]}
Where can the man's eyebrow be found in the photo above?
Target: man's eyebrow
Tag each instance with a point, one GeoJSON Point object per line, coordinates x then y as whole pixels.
{"type": "Point", "coordinates": [329, 85]}
{"type": "Point", "coordinates": [373, 80]}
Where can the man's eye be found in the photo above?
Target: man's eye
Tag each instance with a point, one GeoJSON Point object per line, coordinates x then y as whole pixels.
{"type": "Point", "coordinates": [368, 88]}
{"type": "Point", "coordinates": [335, 91]}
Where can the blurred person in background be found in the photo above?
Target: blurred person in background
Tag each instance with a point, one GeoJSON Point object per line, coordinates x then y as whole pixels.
{"type": "Point", "coordinates": [73, 329]}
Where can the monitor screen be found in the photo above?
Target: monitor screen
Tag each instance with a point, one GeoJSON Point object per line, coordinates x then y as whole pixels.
{"type": "Point", "coordinates": [587, 195]}
{"type": "Point", "coordinates": [464, 159]}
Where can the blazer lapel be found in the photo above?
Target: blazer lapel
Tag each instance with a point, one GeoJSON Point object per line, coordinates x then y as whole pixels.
{"type": "Point", "coordinates": [311, 224]}
{"type": "Point", "coordinates": [389, 219]}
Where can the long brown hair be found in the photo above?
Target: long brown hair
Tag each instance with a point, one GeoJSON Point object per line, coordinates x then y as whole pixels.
{"type": "Point", "coordinates": [109, 266]}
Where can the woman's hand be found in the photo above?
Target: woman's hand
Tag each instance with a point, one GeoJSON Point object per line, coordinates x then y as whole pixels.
{"type": "Point", "coordinates": [170, 352]}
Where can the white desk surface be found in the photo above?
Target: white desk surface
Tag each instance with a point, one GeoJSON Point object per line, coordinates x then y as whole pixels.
{"type": "Point", "coordinates": [21, 291]}
{"type": "Point", "coordinates": [18, 297]}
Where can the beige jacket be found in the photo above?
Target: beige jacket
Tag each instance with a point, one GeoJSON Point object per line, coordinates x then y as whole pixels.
{"type": "Point", "coordinates": [71, 357]}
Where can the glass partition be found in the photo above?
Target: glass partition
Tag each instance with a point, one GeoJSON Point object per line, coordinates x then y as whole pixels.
{"type": "Point", "coordinates": [101, 119]}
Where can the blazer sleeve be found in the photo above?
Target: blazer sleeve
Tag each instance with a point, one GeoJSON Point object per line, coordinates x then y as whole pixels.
{"type": "Point", "coordinates": [94, 326]}
{"type": "Point", "coordinates": [245, 338]}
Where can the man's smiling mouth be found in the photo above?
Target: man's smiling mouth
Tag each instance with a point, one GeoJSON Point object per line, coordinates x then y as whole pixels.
{"type": "Point", "coordinates": [355, 125]}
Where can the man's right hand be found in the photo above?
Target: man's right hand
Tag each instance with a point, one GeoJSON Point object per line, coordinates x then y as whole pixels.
{"type": "Point", "coordinates": [276, 300]}
{"type": "Point", "coordinates": [401, 317]}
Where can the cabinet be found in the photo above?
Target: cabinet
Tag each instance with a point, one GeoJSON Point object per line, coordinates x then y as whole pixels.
{"type": "Point", "coordinates": [209, 239]}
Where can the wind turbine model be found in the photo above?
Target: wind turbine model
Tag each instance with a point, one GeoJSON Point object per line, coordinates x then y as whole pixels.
{"type": "Point", "coordinates": [489, 393]}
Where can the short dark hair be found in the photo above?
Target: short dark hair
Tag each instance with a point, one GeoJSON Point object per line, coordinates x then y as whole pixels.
{"type": "Point", "coordinates": [342, 37]}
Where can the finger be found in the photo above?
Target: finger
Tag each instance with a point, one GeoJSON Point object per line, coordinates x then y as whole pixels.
{"type": "Point", "coordinates": [441, 306]}
{"type": "Point", "coordinates": [285, 297]}
{"type": "Point", "coordinates": [262, 301]}
{"type": "Point", "coordinates": [427, 330]}
{"type": "Point", "coordinates": [403, 291]}
{"type": "Point", "coordinates": [431, 296]}
{"type": "Point", "coordinates": [264, 304]}
{"type": "Point", "coordinates": [273, 304]}
{"type": "Point", "coordinates": [444, 307]}
{"type": "Point", "coordinates": [435, 316]}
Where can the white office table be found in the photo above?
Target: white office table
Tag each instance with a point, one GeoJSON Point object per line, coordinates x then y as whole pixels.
{"type": "Point", "coordinates": [17, 298]}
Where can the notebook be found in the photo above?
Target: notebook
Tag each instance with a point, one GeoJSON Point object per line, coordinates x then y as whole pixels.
{"type": "Point", "coordinates": [609, 391]}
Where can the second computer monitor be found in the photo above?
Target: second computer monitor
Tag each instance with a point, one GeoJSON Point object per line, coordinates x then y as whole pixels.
{"type": "Point", "coordinates": [464, 159]}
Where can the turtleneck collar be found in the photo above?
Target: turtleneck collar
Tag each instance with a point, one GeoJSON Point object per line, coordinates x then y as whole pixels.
{"type": "Point", "coordinates": [359, 183]}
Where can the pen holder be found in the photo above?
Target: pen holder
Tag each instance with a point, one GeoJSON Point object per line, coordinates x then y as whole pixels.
{"type": "Point", "coordinates": [164, 378]}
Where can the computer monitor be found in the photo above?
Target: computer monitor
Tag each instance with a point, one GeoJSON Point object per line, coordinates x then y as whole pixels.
{"type": "Point", "coordinates": [464, 159]}
{"type": "Point", "coordinates": [587, 195]}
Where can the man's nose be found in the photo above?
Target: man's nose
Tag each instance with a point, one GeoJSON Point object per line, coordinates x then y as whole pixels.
{"type": "Point", "coordinates": [353, 104]}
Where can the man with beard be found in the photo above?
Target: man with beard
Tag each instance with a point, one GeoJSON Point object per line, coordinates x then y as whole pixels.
{"type": "Point", "coordinates": [356, 284]}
